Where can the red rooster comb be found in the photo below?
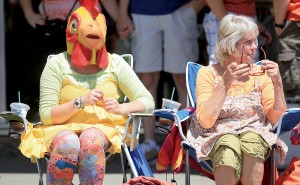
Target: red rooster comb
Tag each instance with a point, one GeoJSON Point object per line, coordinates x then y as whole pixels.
{"type": "Point", "coordinates": [91, 6]}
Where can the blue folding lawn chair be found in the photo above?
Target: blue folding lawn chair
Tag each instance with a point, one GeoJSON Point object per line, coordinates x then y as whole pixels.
{"type": "Point", "coordinates": [286, 123]}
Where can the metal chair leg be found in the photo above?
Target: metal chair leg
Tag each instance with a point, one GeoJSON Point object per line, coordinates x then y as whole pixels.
{"type": "Point", "coordinates": [187, 166]}
{"type": "Point", "coordinates": [273, 167]}
{"type": "Point", "coordinates": [40, 164]}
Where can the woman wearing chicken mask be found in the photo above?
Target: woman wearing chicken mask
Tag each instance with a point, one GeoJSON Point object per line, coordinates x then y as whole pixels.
{"type": "Point", "coordinates": [79, 102]}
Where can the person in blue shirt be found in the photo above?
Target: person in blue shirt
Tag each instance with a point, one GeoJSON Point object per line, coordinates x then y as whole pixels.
{"type": "Point", "coordinates": [164, 37]}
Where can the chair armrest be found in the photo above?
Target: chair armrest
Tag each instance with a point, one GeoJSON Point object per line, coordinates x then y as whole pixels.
{"type": "Point", "coordinates": [287, 121]}
{"type": "Point", "coordinates": [182, 114]}
{"type": "Point", "coordinates": [135, 120]}
{"type": "Point", "coordinates": [10, 116]}
{"type": "Point", "coordinates": [177, 117]}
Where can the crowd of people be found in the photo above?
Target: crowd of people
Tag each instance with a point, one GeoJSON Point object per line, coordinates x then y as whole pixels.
{"type": "Point", "coordinates": [163, 36]}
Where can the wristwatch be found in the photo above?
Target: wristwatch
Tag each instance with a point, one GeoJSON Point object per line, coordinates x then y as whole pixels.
{"type": "Point", "coordinates": [279, 25]}
{"type": "Point", "coordinates": [78, 103]}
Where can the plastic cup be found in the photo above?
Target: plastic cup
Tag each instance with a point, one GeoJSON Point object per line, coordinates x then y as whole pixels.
{"type": "Point", "coordinates": [20, 108]}
{"type": "Point", "coordinates": [170, 104]}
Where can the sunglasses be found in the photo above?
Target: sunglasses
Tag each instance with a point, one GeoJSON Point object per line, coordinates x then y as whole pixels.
{"type": "Point", "coordinates": [253, 72]}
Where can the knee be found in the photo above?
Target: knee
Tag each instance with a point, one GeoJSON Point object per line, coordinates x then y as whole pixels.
{"type": "Point", "coordinates": [227, 152]}
{"type": "Point", "coordinates": [93, 138]}
{"type": "Point", "coordinates": [254, 145]}
{"type": "Point", "coordinates": [226, 156]}
{"type": "Point", "coordinates": [66, 142]}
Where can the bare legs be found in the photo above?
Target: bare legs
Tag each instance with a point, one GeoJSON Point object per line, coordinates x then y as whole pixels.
{"type": "Point", "coordinates": [225, 175]}
{"type": "Point", "coordinates": [252, 172]}
{"type": "Point", "coordinates": [179, 80]}
{"type": "Point", "coordinates": [150, 80]}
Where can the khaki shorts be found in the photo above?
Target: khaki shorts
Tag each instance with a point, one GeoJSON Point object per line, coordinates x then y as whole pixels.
{"type": "Point", "coordinates": [165, 42]}
{"type": "Point", "coordinates": [229, 148]}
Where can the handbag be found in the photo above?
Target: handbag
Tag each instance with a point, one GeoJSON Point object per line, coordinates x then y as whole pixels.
{"type": "Point", "coordinates": [291, 175]}
{"type": "Point", "coordinates": [53, 33]}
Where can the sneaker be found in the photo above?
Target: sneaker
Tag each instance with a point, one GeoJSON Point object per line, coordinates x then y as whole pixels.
{"type": "Point", "coordinates": [150, 149]}
{"type": "Point", "coordinates": [292, 99]}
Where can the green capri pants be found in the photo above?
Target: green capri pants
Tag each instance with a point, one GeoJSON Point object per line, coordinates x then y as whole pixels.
{"type": "Point", "coordinates": [228, 150]}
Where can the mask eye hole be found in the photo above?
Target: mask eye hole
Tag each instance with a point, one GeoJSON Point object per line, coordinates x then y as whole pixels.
{"type": "Point", "coordinates": [74, 25]}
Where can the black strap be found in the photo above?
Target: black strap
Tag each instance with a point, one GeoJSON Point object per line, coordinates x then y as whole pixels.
{"type": "Point", "coordinates": [66, 16]}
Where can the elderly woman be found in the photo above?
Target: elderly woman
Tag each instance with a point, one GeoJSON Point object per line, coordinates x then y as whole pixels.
{"type": "Point", "coordinates": [237, 104]}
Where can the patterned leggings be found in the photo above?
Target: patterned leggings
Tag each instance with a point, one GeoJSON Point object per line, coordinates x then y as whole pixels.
{"type": "Point", "coordinates": [85, 154]}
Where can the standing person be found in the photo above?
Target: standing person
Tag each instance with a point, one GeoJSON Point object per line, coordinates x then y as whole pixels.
{"type": "Point", "coordinates": [59, 9]}
{"type": "Point", "coordinates": [238, 103]}
{"type": "Point", "coordinates": [220, 8]}
{"type": "Point", "coordinates": [286, 23]}
{"type": "Point", "coordinates": [80, 93]}
{"type": "Point", "coordinates": [164, 38]}
{"type": "Point", "coordinates": [49, 20]}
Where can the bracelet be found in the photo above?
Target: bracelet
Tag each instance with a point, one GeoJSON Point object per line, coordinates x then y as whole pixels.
{"type": "Point", "coordinates": [279, 25]}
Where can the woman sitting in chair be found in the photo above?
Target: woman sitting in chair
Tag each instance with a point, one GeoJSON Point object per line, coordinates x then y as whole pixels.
{"type": "Point", "coordinates": [237, 104]}
{"type": "Point", "coordinates": [79, 102]}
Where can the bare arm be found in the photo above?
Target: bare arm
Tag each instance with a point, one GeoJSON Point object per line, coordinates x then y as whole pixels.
{"type": "Point", "coordinates": [280, 9]}
{"type": "Point", "coordinates": [272, 70]}
{"type": "Point", "coordinates": [124, 25]}
{"type": "Point", "coordinates": [111, 6]}
{"type": "Point", "coordinates": [32, 18]}
{"type": "Point", "coordinates": [217, 7]}
{"type": "Point", "coordinates": [197, 4]}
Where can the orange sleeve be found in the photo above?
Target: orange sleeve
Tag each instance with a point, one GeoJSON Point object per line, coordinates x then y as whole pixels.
{"type": "Point", "coordinates": [204, 89]}
{"type": "Point", "coordinates": [267, 99]}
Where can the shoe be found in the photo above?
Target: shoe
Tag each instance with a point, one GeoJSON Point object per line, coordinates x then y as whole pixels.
{"type": "Point", "coordinates": [150, 149]}
{"type": "Point", "coordinates": [292, 99]}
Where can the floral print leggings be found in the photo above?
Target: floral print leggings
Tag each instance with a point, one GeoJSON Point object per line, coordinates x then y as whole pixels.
{"type": "Point", "coordinates": [85, 154]}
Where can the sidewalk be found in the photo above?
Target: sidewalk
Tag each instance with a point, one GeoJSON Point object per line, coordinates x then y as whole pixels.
{"type": "Point", "coordinates": [109, 179]}
{"type": "Point", "coordinates": [15, 169]}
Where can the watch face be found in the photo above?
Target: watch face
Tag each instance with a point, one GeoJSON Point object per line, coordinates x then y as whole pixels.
{"type": "Point", "coordinates": [77, 103]}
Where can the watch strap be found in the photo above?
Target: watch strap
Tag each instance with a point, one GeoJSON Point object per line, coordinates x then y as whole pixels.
{"type": "Point", "coordinates": [279, 25]}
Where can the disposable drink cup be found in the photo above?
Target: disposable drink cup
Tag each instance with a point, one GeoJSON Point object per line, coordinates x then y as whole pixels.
{"type": "Point", "coordinates": [20, 108]}
{"type": "Point", "coordinates": [170, 104]}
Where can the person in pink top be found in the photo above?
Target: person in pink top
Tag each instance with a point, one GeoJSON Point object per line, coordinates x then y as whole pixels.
{"type": "Point", "coordinates": [59, 9]}
{"type": "Point", "coordinates": [237, 104]}
{"type": "Point", "coordinates": [286, 23]}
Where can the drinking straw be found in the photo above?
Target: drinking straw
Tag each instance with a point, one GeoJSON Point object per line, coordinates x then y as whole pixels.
{"type": "Point", "coordinates": [172, 93]}
{"type": "Point", "coordinates": [19, 98]}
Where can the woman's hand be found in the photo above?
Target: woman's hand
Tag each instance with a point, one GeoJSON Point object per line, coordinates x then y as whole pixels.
{"type": "Point", "coordinates": [113, 106]}
{"type": "Point", "coordinates": [125, 26]}
{"type": "Point", "coordinates": [92, 97]}
{"type": "Point", "coordinates": [235, 71]}
{"type": "Point", "coordinates": [35, 19]}
{"type": "Point", "coordinates": [272, 70]}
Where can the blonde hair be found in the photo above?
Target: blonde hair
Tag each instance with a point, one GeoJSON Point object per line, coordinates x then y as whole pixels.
{"type": "Point", "coordinates": [232, 28]}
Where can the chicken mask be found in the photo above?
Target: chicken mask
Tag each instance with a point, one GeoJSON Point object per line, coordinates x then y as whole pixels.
{"type": "Point", "coordinates": [86, 34]}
